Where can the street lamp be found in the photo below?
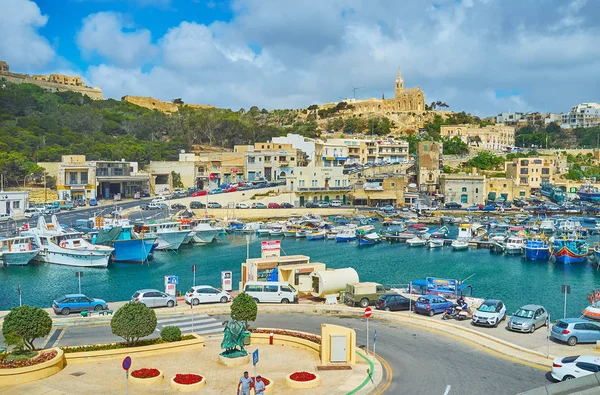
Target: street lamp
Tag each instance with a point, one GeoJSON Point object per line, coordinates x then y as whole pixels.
{"type": "Point", "coordinates": [25, 178]}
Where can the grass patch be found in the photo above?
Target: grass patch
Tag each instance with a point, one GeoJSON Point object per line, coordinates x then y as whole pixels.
{"type": "Point", "coordinates": [20, 355]}
{"type": "Point", "coordinates": [115, 346]}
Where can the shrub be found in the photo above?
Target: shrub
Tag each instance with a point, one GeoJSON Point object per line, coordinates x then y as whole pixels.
{"type": "Point", "coordinates": [25, 324]}
{"type": "Point", "coordinates": [244, 308]}
{"type": "Point", "coordinates": [170, 334]}
{"type": "Point", "coordinates": [116, 346]}
{"type": "Point", "coordinates": [133, 321]}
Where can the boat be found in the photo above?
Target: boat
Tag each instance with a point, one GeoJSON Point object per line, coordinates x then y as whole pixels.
{"type": "Point", "coordinates": [60, 246]}
{"type": "Point", "coordinates": [263, 232]}
{"type": "Point", "coordinates": [497, 247]}
{"type": "Point", "coordinates": [300, 233]}
{"type": "Point", "coordinates": [589, 220]}
{"type": "Point", "coordinates": [537, 249]}
{"type": "Point", "coordinates": [547, 226]}
{"type": "Point", "coordinates": [170, 236]}
{"type": "Point", "coordinates": [330, 235]}
{"type": "Point", "coordinates": [17, 251]}
{"type": "Point", "coordinates": [348, 234]}
{"type": "Point", "coordinates": [392, 233]}
{"type": "Point", "coordinates": [458, 245]}
{"type": "Point", "coordinates": [252, 227]}
{"type": "Point", "coordinates": [316, 235]}
{"type": "Point", "coordinates": [592, 312]}
{"type": "Point", "coordinates": [435, 243]}
{"type": "Point", "coordinates": [369, 239]}
{"type": "Point", "coordinates": [205, 230]}
{"type": "Point", "coordinates": [440, 233]}
{"type": "Point", "coordinates": [290, 231]}
{"type": "Point", "coordinates": [589, 192]}
{"type": "Point", "coordinates": [569, 250]}
{"type": "Point", "coordinates": [416, 242]}
{"type": "Point", "coordinates": [465, 232]}
{"type": "Point", "coordinates": [515, 245]}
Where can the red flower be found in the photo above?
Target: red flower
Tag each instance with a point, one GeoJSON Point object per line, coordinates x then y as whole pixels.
{"type": "Point", "coordinates": [43, 357]}
{"type": "Point", "coordinates": [145, 373]}
{"type": "Point", "coordinates": [303, 376]}
{"type": "Point", "coordinates": [187, 379]}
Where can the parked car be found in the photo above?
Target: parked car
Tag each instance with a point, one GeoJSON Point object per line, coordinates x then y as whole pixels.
{"type": "Point", "coordinates": [154, 298]}
{"type": "Point", "coordinates": [178, 206]}
{"type": "Point", "coordinates": [388, 208]}
{"type": "Point", "coordinates": [213, 205]}
{"type": "Point", "coordinates": [474, 207]}
{"type": "Point", "coordinates": [453, 205]}
{"type": "Point", "coordinates": [154, 206]}
{"type": "Point", "coordinates": [261, 185]}
{"type": "Point", "coordinates": [568, 368]}
{"type": "Point", "coordinates": [31, 213]}
{"type": "Point", "coordinates": [206, 294]}
{"type": "Point", "coordinates": [230, 189]}
{"type": "Point", "coordinates": [311, 205]}
{"type": "Point", "coordinates": [81, 202]}
{"type": "Point", "coordinates": [93, 202]}
{"type": "Point", "coordinates": [336, 203]}
{"type": "Point", "coordinates": [197, 205]}
{"type": "Point", "coordinates": [199, 193]}
{"type": "Point", "coordinates": [490, 313]}
{"type": "Point", "coordinates": [575, 330]}
{"type": "Point", "coordinates": [489, 207]}
{"type": "Point", "coordinates": [287, 205]}
{"type": "Point", "coordinates": [431, 304]}
{"type": "Point", "coordinates": [274, 205]}
{"type": "Point", "coordinates": [271, 184]}
{"type": "Point", "coordinates": [215, 191]}
{"type": "Point", "coordinates": [5, 217]}
{"type": "Point", "coordinates": [271, 292]}
{"type": "Point", "coordinates": [51, 210]}
{"type": "Point", "coordinates": [74, 303]}
{"type": "Point", "coordinates": [323, 204]}
{"type": "Point", "coordinates": [258, 205]}
{"type": "Point", "coordinates": [393, 302]}
{"type": "Point", "coordinates": [159, 199]}
{"type": "Point", "coordinates": [363, 294]}
{"type": "Point", "coordinates": [528, 318]}
{"type": "Point", "coordinates": [241, 205]}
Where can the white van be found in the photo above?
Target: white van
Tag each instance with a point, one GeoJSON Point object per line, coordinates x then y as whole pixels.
{"type": "Point", "coordinates": [32, 212]}
{"type": "Point", "coordinates": [271, 292]}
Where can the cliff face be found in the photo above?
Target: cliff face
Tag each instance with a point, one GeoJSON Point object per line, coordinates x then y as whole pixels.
{"type": "Point", "coordinates": [155, 104]}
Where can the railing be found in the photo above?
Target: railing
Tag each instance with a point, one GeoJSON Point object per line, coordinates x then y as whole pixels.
{"type": "Point", "coordinates": [347, 188]}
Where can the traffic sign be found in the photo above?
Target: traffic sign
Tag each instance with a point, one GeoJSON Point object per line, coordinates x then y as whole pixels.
{"type": "Point", "coordinates": [374, 335]}
{"type": "Point", "coordinates": [368, 312]}
{"type": "Point", "coordinates": [255, 357]}
{"type": "Point", "coordinates": [127, 363]}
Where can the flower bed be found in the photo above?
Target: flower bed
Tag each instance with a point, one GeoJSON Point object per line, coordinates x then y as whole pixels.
{"type": "Point", "coordinates": [115, 346]}
{"type": "Point", "coordinates": [42, 357]}
{"type": "Point", "coordinates": [188, 382]}
{"type": "Point", "coordinates": [303, 380]}
{"type": "Point", "coordinates": [146, 376]}
{"type": "Point", "coordinates": [300, 335]}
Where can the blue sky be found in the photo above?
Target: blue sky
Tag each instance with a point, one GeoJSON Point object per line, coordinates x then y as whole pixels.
{"type": "Point", "coordinates": [480, 56]}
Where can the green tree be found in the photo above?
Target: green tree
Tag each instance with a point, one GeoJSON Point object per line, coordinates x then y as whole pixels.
{"type": "Point", "coordinates": [485, 161]}
{"type": "Point", "coordinates": [244, 308]}
{"type": "Point", "coordinates": [170, 333]}
{"type": "Point", "coordinates": [24, 324]}
{"type": "Point", "coordinates": [133, 321]}
{"type": "Point", "coordinates": [176, 180]}
{"type": "Point", "coordinates": [454, 146]}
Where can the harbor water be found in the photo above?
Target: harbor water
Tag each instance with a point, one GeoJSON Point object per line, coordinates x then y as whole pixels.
{"type": "Point", "coordinates": [514, 280]}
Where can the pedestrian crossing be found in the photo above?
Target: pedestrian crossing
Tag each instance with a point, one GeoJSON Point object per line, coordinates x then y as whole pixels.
{"type": "Point", "coordinates": [200, 324]}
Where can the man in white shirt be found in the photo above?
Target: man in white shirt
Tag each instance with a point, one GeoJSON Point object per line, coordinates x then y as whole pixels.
{"type": "Point", "coordinates": [259, 386]}
{"type": "Point", "coordinates": [245, 383]}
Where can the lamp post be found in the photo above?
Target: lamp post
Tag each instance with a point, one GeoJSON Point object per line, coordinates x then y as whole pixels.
{"type": "Point", "coordinates": [25, 179]}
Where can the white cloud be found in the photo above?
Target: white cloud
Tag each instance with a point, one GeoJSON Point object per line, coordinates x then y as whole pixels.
{"type": "Point", "coordinates": [103, 34]}
{"type": "Point", "coordinates": [20, 43]}
{"type": "Point", "coordinates": [278, 54]}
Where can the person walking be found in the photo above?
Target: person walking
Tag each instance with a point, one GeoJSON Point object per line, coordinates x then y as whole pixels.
{"type": "Point", "coordinates": [259, 386]}
{"type": "Point", "coordinates": [245, 384]}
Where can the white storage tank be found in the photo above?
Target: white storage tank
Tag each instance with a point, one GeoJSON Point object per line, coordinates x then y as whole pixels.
{"type": "Point", "coordinates": [332, 281]}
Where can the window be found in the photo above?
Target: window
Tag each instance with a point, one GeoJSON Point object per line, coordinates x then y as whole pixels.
{"type": "Point", "coordinates": [464, 189]}
{"type": "Point", "coordinates": [425, 147]}
{"type": "Point", "coordinates": [524, 170]}
{"type": "Point", "coordinates": [72, 178]}
{"type": "Point", "coordinates": [254, 288]}
{"type": "Point", "coordinates": [545, 170]}
{"type": "Point", "coordinates": [476, 190]}
{"type": "Point", "coordinates": [285, 289]}
{"type": "Point", "coordinates": [16, 204]}
{"type": "Point", "coordinates": [590, 367]}
{"type": "Point", "coordinates": [271, 288]}
{"type": "Point", "coordinates": [251, 159]}
{"type": "Point", "coordinates": [314, 183]}
{"type": "Point", "coordinates": [580, 327]}
{"type": "Point", "coordinates": [84, 177]}
{"type": "Point", "coordinates": [301, 183]}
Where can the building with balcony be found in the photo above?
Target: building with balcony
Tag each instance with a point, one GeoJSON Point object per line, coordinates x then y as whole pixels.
{"type": "Point", "coordinates": [267, 161]}
{"type": "Point", "coordinates": [301, 144]}
{"type": "Point", "coordinates": [393, 151]}
{"type": "Point", "coordinates": [314, 184]}
{"type": "Point", "coordinates": [585, 115]}
{"type": "Point", "coordinates": [379, 191]}
{"type": "Point", "coordinates": [511, 118]}
{"type": "Point", "coordinates": [532, 172]}
{"type": "Point", "coordinates": [507, 189]}
{"type": "Point", "coordinates": [490, 137]}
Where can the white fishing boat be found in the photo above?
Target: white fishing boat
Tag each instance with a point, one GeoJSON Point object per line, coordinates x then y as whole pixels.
{"type": "Point", "coordinates": [65, 247]}
{"type": "Point", "coordinates": [348, 234]}
{"type": "Point", "coordinates": [458, 245]}
{"type": "Point", "coordinates": [515, 245]}
{"type": "Point", "coordinates": [290, 232]}
{"type": "Point", "coordinates": [263, 232]}
{"type": "Point", "coordinates": [205, 230]}
{"type": "Point", "coordinates": [170, 236]}
{"type": "Point", "coordinates": [252, 227]}
{"type": "Point", "coordinates": [435, 243]}
{"type": "Point", "coordinates": [416, 242]}
{"type": "Point", "coordinates": [17, 251]}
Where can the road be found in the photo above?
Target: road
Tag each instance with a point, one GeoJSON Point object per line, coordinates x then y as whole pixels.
{"type": "Point", "coordinates": [422, 362]}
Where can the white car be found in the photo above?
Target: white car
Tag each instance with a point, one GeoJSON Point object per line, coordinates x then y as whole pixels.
{"type": "Point", "coordinates": [490, 313]}
{"type": "Point", "coordinates": [241, 205]}
{"type": "Point", "coordinates": [159, 199]}
{"type": "Point", "coordinates": [5, 217]}
{"type": "Point", "coordinates": [336, 203]}
{"type": "Point", "coordinates": [206, 294]}
{"type": "Point", "coordinates": [568, 368]}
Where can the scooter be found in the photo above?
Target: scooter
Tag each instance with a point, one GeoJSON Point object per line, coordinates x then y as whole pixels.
{"type": "Point", "coordinates": [451, 312]}
{"type": "Point", "coordinates": [463, 314]}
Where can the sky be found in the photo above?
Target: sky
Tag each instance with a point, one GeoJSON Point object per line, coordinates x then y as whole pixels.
{"type": "Point", "coordinates": [479, 56]}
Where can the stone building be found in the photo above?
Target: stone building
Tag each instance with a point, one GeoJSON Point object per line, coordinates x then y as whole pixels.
{"type": "Point", "coordinates": [314, 184]}
{"type": "Point", "coordinates": [533, 171]}
{"type": "Point", "coordinates": [498, 188]}
{"type": "Point", "coordinates": [267, 161]}
{"type": "Point", "coordinates": [463, 188]}
{"type": "Point", "coordinates": [428, 165]}
{"type": "Point", "coordinates": [380, 191]}
{"type": "Point", "coordinates": [4, 66]}
{"type": "Point", "coordinates": [490, 137]}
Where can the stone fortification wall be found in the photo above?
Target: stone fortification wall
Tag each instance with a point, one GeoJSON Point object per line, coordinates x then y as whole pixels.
{"type": "Point", "coordinates": [93, 93]}
{"type": "Point", "coordinates": [155, 104]}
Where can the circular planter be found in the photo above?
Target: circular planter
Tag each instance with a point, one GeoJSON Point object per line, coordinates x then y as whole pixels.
{"type": "Point", "coordinates": [188, 387]}
{"type": "Point", "coordinates": [148, 381]}
{"type": "Point", "coordinates": [303, 384]}
{"type": "Point", "coordinates": [234, 362]}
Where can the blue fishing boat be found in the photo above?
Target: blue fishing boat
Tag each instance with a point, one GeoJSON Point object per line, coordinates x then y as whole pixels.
{"type": "Point", "coordinates": [128, 247]}
{"type": "Point", "coordinates": [570, 250]}
{"type": "Point", "coordinates": [348, 234]}
{"type": "Point", "coordinates": [537, 249]}
{"type": "Point", "coordinates": [368, 239]}
{"type": "Point", "coordinates": [440, 233]}
{"type": "Point", "coordinates": [589, 220]}
{"type": "Point", "coordinates": [589, 192]}
{"type": "Point", "coordinates": [316, 236]}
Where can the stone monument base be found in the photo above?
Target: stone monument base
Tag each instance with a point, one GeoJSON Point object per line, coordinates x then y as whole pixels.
{"type": "Point", "coordinates": [234, 362]}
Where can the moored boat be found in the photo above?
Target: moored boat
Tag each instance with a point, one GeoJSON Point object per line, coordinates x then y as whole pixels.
{"type": "Point", "coordinates": [497, 247]}
{"type": "Point", "coordinates": [569, 250]}
{"type": "Point", "coordinates": [369, 239]}
{"type": "Point", "coordinates": [316, 235]}
{"type": "Point", "coordinates": [515, 245]}
{"type": "Point", "coordinates": [537, 249]}
{"type": "Point", "coordinates": [459, 245]}
{"type": "Point", "coordinates": [435, 243]}
{"type": "Point", "coordinates": [170, 236]}
{"type": "Point", "coordinates": [17, 251]}
{"type": "Point", "coordinates": [416, 242]}
{"type": "Point", "coordinates": [348, 234]}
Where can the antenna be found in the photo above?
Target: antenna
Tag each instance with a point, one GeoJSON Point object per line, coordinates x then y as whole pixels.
{"type": "Point", "coordinates": [354, 89]}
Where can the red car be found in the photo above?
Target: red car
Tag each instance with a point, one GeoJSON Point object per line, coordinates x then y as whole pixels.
{"type": "Point", "coordinates": [231, 189]}
{"type": "Point", "coordinates": [199, 193]}
{"type": "Point", "coordinates": [274, 205]}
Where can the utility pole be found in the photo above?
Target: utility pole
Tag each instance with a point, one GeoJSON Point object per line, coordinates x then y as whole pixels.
{"type": "Point", "coordinates": [354, 89]}
{"type": "Point", "coordinates": [45, 191]}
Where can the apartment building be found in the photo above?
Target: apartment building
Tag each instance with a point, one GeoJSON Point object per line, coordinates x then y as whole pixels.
{"type": "Point", "coordinates": [463, 188]}
{"type": "Point", "coordinates": [490, 137]}
{"type": "Point", "coordinates": [532, 171]}
{"type": "Point", "coordinates": [268, 161]}
{"type": "Point", "coordinates": [314, 184]}
{"type": "Point", "coordinates": [584, 115]}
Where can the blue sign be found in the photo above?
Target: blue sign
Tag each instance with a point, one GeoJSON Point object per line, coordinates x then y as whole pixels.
{"type": "Point", "coordinates": [255, 357]}
{"type": "Point", "coordinates": [127, 363]}
{"type": "Point", "coordinates": [374, 335]}
{"type": "Point", "coordinates": [173, 280]}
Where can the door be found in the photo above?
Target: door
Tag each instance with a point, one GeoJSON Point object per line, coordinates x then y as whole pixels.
{"type": "Point", "coordinates": [201, 295]}
{"type": "Point", "coordinates": [594, 332]}
{"type": "Point", "coordinates": [213, 295]}
{"type": "Point", "coordinates": [272, 294]}
{"type": "Point", "coordinates": [582, 333]}
{"type": "Point", "coordinates": [540, 318]}
{"type": "Point", "coordinates": [338, 348]}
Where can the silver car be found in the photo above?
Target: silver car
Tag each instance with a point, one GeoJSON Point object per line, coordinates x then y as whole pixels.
{"type": "Point", "coordinates": [528, 318]}
{"type": "Point", "coordinates": [154, 298]}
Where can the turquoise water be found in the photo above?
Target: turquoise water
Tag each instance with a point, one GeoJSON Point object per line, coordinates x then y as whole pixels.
{"type": "Point", "coordinates": [512, 279]}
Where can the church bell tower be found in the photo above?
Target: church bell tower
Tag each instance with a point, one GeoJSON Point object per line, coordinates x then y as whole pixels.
{"type": "Point", "coordinates": [399, 84]}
